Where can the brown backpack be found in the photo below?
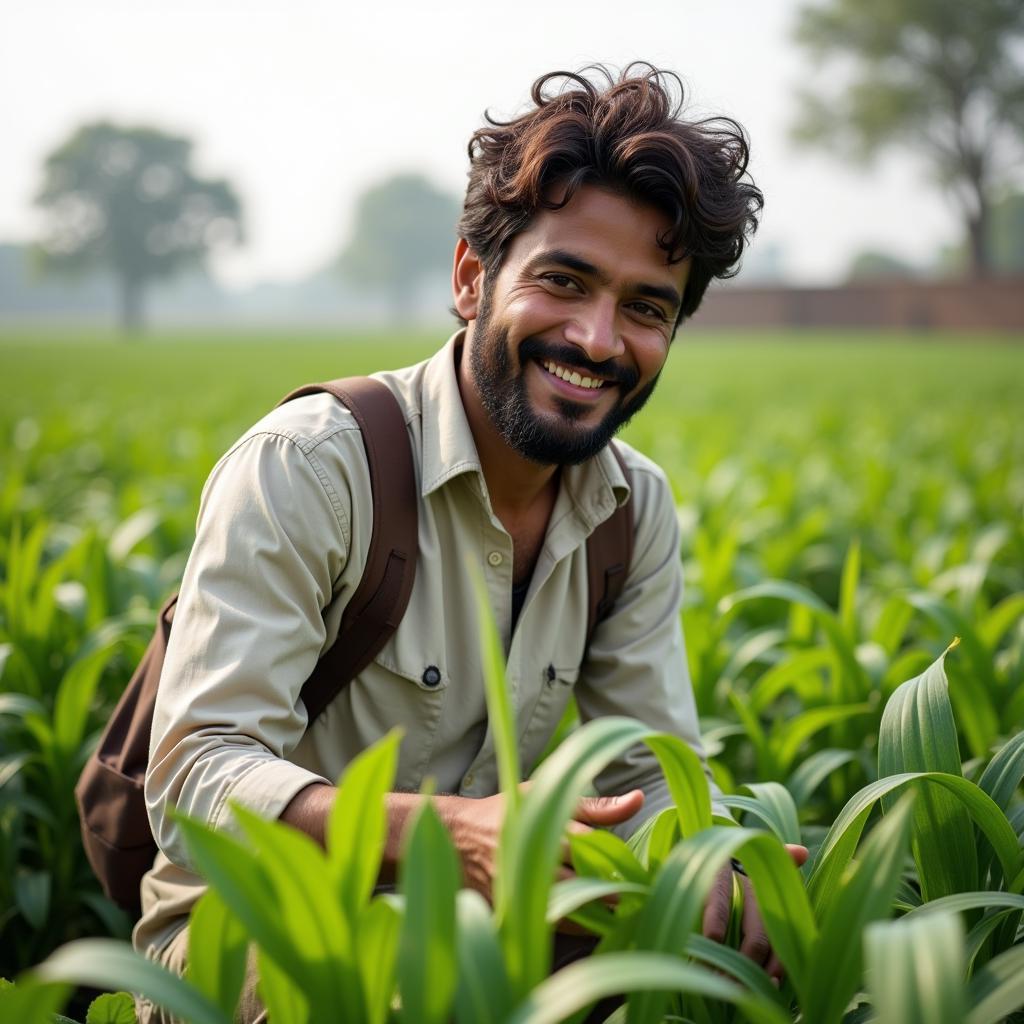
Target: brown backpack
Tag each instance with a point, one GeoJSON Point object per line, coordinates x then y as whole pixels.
{"type": "Point", "coordinates": [111, 804]}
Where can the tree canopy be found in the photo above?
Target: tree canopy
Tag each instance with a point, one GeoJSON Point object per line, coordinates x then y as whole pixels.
{"type": "Point", "coordinates": [942, 78]}
{"type": "Point", "coordinates": [127, 199]}
{"type": "Point", "coordinates": [404, 232]}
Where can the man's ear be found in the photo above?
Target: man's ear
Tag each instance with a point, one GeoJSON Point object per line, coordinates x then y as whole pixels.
{"type": "Point", "coordinates": [467, 280]}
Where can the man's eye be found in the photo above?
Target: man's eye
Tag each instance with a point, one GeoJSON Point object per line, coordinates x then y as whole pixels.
{"type": "Point", "coordinates": [560, 280]}
{"type": "Point", "coordinates": [646, 309]}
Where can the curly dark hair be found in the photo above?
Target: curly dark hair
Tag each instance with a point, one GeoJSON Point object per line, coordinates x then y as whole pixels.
{"type": "Point", "coordinates": [626, 136]}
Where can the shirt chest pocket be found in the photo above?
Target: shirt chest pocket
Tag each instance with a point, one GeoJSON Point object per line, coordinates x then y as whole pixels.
{"type": "Point", "coordinates": [551, 708]}
{"type": "Point", "coordinates": [404, 693]}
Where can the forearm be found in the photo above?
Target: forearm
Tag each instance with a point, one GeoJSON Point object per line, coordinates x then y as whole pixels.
{"type": "Point", "coordinates": [310, 809]}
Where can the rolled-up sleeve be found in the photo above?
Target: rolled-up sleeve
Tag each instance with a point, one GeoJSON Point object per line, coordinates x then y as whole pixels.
{"type": "Point", "coordinates": [271, 542]}
{"type": "Point", "coordinates": [636, 663]}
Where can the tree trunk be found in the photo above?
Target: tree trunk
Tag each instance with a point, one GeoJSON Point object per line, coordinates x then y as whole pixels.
{"type": "Point", "coordinates": [977, 229]}
{"type": "Point", "coordinates": [131, 305]}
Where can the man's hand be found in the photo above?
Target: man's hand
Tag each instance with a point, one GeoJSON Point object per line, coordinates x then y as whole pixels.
{"type": "Point", "coordinates": [475, 826]}
{"type": "Point", "coordinates": [755, 943]}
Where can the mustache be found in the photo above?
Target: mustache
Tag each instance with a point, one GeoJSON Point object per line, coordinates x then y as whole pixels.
{"type": "Point", "coordinates": [569, 355]}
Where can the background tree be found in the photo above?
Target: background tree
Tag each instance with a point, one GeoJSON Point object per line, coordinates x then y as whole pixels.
{"type": "Point", "coordinates": [943, 78]}
{"type": "Point", "coordinates": [127, 199]}
{"type": "Point", "coordinates": [404, 232]}
{"type": "Point", "coordinates": [876, 264]}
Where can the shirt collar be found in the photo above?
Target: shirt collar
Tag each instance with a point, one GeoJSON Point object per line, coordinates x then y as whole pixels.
{"type": "Point", "coordinates": [596, 487]}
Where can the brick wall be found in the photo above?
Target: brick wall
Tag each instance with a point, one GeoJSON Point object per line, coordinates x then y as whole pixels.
{"type": "Point", "coordinates": [996, 304]}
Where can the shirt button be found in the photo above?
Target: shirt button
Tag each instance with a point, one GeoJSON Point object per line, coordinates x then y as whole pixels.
{"type": "Point", "coordinates": [495, 558]}
{"type": "Point", "coordinates": [431, 676]}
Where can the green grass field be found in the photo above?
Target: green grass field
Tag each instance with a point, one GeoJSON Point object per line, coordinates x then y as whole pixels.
{"type": "Point", "coordinates": [849, 504]}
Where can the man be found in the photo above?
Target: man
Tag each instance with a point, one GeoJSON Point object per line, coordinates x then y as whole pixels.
{"type": "Point", "coordinates": [592, 225]}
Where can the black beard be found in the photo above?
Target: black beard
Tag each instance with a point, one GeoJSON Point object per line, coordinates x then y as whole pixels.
{"type": "Point", "coordinates": [503, 395]}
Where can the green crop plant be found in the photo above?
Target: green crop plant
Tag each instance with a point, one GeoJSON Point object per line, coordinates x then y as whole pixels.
{"type": "Point", "coordinates": [324, 938]}
{"type": "Point", "coordinates": [63, 657]}
{"type": "Point", "coordinates": [832, 544]}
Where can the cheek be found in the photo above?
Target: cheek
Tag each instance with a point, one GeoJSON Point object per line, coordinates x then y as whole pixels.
{"type": "Point", "coordinates": [650, 356]}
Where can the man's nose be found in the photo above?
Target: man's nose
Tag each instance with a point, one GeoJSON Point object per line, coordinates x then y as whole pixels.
{"type": "Point", "coordinates": [594, 329]}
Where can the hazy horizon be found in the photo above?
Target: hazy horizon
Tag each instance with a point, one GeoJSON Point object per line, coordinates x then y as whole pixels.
{"type": "Point", "coordinates": [303, 109]}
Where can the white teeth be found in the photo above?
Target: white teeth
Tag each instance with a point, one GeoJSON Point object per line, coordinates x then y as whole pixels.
{"type": "Point", "coordinates": [572, 376]}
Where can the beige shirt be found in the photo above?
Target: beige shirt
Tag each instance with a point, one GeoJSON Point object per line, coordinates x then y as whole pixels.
{"type": "Point", "coordinates": [282, 535]}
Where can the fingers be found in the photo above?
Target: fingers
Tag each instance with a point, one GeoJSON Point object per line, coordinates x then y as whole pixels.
{"type": "Point", "coordinates": [715, 923]}
{"type": "Point", "coordinates": [609, 810]}
{"type": "Point", "coordinates": [798, 853]}
{"type": "Point", "coordinates": [755, 944]}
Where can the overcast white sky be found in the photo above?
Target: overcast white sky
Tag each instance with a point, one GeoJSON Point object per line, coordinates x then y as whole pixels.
{"type": "Point", "coordinates": [302, 104]}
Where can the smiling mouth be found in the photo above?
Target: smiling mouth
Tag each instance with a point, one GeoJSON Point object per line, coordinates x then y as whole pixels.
{"type": "Point", "coordinates": [572, 376]}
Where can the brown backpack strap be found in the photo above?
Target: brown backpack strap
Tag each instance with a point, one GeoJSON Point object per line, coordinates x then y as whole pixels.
{"type": "Point", "coordinates": [376, 608]}
{"type": "Point", "coordinates": [609, 554]}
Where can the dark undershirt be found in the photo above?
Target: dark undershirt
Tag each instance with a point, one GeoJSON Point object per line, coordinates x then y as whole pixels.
{"type": "Point", "coordinates": [518, 599]}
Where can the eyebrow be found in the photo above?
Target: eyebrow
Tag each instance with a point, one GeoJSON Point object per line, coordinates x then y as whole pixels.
{"type": "Point", "coordinates": [567, 259]}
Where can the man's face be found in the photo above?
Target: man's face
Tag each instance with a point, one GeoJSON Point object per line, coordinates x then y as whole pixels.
{"type": "Point", "coordinates": [572, 332]}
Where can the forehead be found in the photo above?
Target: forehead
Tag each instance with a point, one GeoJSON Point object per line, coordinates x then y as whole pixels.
{"type": "Point", "coordinates": [614, 233]}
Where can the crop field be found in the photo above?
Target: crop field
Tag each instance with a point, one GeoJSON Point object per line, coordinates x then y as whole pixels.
{"type": "Point", "coordinates": [852, 513]}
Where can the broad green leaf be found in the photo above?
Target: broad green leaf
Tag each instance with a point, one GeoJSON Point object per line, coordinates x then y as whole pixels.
{"type": "Point", "coordinates": [841, 841]}
{"type": "Point", "coordinates": [915, 969]}
{"type": "Point", "coordinates": [589, 980]}
{"type": "Point", "coordinates": [242, 882]}
{"type": "Point", "coordinates": [109, 964]}
{"type": "Point", "coordinates": [978, 938]}
{"type": "Point", "coordinates": [998, 906]}
{"type": "Point", "coordinates": [20, 705]}
{"type": "Point", "coordinates": [112, 1008]}
{"type": "Point", "coordinates": [962, 902]}
{"type": "Point", "coordinates": [793, 673]}
{"type": "Point", "coordinates": [569, 895]}
{"type": "Point", "coordinates": [758, 646]}
{"type": "Point", "coordinates": [357, 826]}
{"type": "Point", "coordinates": [848, 583]}
{"type": "Point", "coordinates": [32, 1001]}
{"type": "Point", "coordinates": [482, 995]}
{"type": "Point", "coordinates": [32, 895]}
{"type": "Point", "coordinates": [686, 780]}
{"type": "Point", "coordinates": [918, 734]}
{"type": "Point", "coordinates": [891, 626]}
{"type": "Point", "coordinates": [75, 695]}
{"type": "Point", "coordinates": [735, 964]}
{"type": "Point", "coordinates": [283, 997]}
{"type": "Point", "coordinates": [977, 685]}
{"type": "Point", "coordinates": [378, 934]}
{"type": "Point", "coordinates": [793, 735]}
{"type": "Point", "coordinates": [501, 717]}
{"type": "Point", "coordinates": [1002, 778]}
{"type": "Point", "coordinates": [652, 842]}
{"type": "Point", "coordinates": [773, 805]}
{"type": "Point", "coordinates": [865, 894]}
{"type": "Point", "coordinates": [604, 855]}
{"type": "Point", "coordinates": [679, 892]}
{"type": "Point", "coordinates": [117, 923]}
{"type": "Point", "coordinates": [429, 879]}
{"type": "Point", "coordinates": [315, 922]}
{"type": "Point", "coordinates": [853, 681]}
{"type": "Point", "coordinates": [755, 733]}
{"type": "Point", "coordinates": [998, 988]}
{"type": "Point", "coordinates": [813, 771]}
{"type": "Point", "coordinates": [530, 852]}
{"type": "Point", "coordinates": [994, 626]}
{"type": "Point", "coordinates": [217, 948]}
{"type": "Point", "coordinates": [11, 765]}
